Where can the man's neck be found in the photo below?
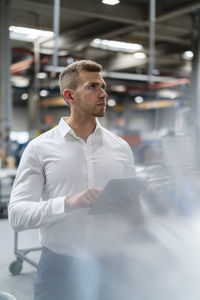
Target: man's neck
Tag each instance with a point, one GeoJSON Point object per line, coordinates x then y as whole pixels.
{"type": "Point", "coordinates": [82, 127]}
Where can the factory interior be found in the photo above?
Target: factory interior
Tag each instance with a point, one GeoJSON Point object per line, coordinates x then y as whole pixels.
{"type": "Point", "coordinates": [150, 56]}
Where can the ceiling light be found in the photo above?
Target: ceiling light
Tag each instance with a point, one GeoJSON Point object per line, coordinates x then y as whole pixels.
{"type": "Point", "coordinates": [28, 34]}
{"type": "Point", "coordinates": [111, 102]}
{"type": "Point", "coordinates": [62, 52]}
{"type": "Point", "coordinates": [110, 2]}
{"type": "Point", "coordinates": [118, 88]}
{"type": "Point", "coordinates": [20, 81]}
{"type": "Point", "coordinates": [139, 99]}
{"type": "Point", "coordinates": [139, 55]}
{"type": "Point", "coordinates": [70, 60]}
{"type": "Point", "coordinates": [156, 72]}
{"type": "Point", "coordinates": [44, 93]}
{"type": "Point", "coordinates": [116, 45]}
{"type": "Point", "coordinates": [188, 55]}
{"type": "Point", "coordinates": [20, 136]}
{"type": "Point", "coordinates": [166, 93]}
{"type": "Point", "coordinates": [41, 75]}
{"type": "Point", "coordinates": [24, 96]}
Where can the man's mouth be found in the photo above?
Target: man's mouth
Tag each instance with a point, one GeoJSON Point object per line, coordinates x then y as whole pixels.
{"type": "Point", "coordinates": [101, 104]}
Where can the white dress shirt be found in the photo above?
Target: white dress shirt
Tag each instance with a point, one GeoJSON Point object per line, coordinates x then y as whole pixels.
{"type": "Point", "coordinates": [58, 164]}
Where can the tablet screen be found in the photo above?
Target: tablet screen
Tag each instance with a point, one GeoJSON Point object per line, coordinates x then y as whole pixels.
{"type": "Point", "coordinates": [117, 189]}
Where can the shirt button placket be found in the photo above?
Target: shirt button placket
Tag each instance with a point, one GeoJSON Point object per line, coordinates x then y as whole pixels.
{"type": "Point", "coordinates": [90, 166]}
{"type": "Point", "coordinates": [86, 165]}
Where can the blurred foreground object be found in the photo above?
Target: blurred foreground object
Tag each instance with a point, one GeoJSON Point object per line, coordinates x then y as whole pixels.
{"type": "Point", "coordinates": [6, 296]}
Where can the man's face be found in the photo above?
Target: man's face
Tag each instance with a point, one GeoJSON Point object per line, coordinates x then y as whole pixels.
{"type": "Point", "coordinates": [90, 95]}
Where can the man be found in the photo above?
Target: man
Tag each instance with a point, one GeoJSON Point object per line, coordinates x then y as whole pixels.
{"type": "Point", "coordinates": [60, 176]}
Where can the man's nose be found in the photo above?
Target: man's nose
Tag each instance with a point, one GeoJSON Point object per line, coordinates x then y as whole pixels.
{"type": "Point", "coordinates": [103, 94]}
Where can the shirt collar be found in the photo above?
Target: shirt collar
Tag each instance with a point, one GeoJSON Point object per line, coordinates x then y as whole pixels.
{"type": "Point", "coordinates": [65, 129]}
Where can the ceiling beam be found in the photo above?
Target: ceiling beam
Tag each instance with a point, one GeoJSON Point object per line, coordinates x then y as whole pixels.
{"type": "Point", "coordinates": [133, 16]}
{"type": "Point", "coordinates": [135, 77]}
{"type": "Point", "coordinates": [126, 14]}
{"type": "Point", "coordinates": [164, 38]}
{"type": "Point", "coordinates": [180, 11]}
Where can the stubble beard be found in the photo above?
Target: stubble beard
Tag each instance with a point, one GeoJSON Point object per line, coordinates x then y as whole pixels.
{"type": "Point", "coordinates": [95, 112]}
{"type": "Point", "coordinates": [100, 113]}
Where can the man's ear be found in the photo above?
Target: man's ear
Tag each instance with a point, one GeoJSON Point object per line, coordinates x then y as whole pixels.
{"type": "Point", "coordinates": [68, 95]}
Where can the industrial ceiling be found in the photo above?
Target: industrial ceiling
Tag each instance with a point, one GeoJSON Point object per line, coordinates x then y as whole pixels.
{"type": "Point", "coordinates": [83, 21]}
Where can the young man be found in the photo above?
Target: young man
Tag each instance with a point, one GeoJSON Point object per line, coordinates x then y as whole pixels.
{"type": "Point", "coordinates": [60, 176]}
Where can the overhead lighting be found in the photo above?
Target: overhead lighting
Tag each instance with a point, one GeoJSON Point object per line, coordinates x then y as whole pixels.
{"type": "Point", "coordinates": [116, 45]}
{"type": "Point", "coordinates": [20, 81]}
{"type": "Point", "coordinates": [156, 72]}
{"type": "Point", "coordinates": [28, 34]}
{"type": "Point", "coordinates": [111, 102]}
{"type": "Point", "coordinates": [166, 93]}
{"type": "Point", "coordinates": [24, 96]}
{"type": "Point", "coordinates": [44, 93]}
{"type": "Point", "coordinates": [188, 55]}
{"type": "Point", "coordinates": [41, 75]}
{"type": "Point", "coordinates": [63, 53]}
{"type": "Point", "coordinates": [118, 88]}
{"type": "Point", "coordinates": [139, 99]}
{"type": "Point", "coordinates": [110, 2]}
{"type": "Point", "coordinates": [70, 60]}
{"type": "Point", "coordinates": [139, 55]}
{"type": "Point", "coordinates": [20, 136]}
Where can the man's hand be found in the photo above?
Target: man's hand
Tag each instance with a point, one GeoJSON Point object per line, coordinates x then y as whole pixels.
{"type": "Point", "coordinates": [128, 208]}
{"type": "Point", "coordinates": [83, 199]}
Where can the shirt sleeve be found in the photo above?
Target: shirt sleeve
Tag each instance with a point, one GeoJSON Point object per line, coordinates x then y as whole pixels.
{"type": "Point", "coordinates": [129, 170]}
{"type": "Point", "coordinates": [26, 210]}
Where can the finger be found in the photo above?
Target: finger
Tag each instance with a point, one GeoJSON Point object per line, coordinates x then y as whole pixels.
{"type": "Point", "coordinates": [96, 190]}
{"type": "Point", "coordinates": [94, 193]}
{"type": "Point", "coordinates": [86, 201]}
{"type": "Point", "coordinates": [90, 198]}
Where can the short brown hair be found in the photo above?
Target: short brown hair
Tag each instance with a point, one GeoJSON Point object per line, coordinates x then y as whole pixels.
{"type": "Point", "coordinates": [68, 78]}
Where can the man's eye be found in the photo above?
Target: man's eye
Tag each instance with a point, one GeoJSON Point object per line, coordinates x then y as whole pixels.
{"type": "Point", "coordinates": [92, 86]}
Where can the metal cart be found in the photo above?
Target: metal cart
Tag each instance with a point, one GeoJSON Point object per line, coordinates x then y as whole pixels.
{"type": "Point", "coordinates": [21, 255]}
{"type": "Point", "coordinates": [7, 177]}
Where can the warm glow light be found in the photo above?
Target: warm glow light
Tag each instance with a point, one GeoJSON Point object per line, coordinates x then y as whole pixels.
{"type": "Point", "coordinates": [110, 2]}
{"type": "Point", "coordinates": [116, 45]}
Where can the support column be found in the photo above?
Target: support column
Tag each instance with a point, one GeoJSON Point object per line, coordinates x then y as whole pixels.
{"type": "Point", "coordinates": [56, 27]}
{"type": "Point", "coordinates": [34, 90]}
{"type": "Point", "coordinates": [5, 86]}
{"type": "Point", "coordinates": [152, 20]}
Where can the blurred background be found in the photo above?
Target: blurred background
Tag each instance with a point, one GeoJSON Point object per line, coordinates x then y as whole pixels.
{"type": "Point", "coordinates": [150, 56]}
{"type": "Point", "coordinates": [150, 53]}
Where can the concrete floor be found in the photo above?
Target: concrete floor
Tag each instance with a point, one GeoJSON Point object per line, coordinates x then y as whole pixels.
{"type": "Point", "coordinates": [21, 286]}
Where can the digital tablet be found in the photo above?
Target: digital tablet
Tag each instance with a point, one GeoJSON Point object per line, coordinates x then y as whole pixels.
{"type": "Point", "coordinates": [117, 190]}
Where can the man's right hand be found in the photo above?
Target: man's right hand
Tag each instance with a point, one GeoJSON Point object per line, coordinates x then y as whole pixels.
{"type": "Point", "coordinates": [83, 199]}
